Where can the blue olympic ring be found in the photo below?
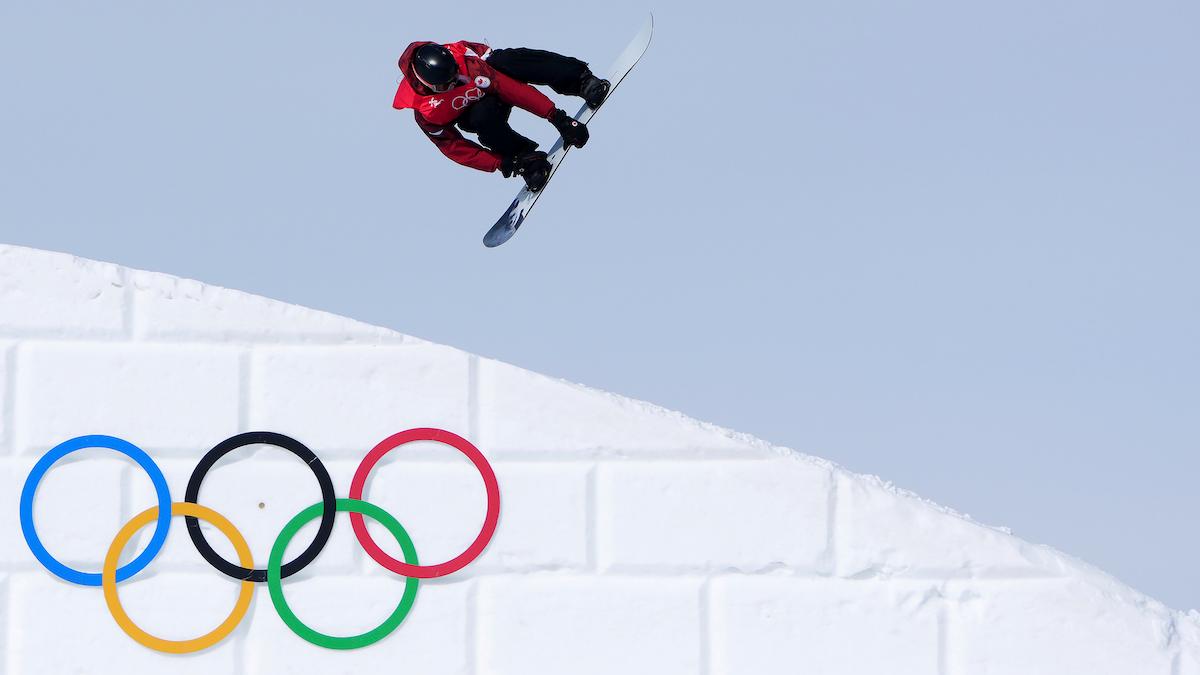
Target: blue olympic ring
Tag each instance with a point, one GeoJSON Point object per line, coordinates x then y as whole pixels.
{"type": "Point", "coordinates": [95, 441]}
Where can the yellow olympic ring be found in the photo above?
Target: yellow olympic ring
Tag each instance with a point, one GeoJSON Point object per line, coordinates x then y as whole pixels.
{"type": "Point", "coordinates": [108, 578]}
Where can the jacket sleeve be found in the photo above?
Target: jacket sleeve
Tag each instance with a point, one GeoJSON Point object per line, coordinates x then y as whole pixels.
{"type": "Point", "coordinates": [453, 145]}
{"type": "Point", "coordinates": [520, 94]}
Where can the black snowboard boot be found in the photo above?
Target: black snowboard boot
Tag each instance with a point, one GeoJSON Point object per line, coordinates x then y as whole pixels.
{"type": "Point", "coordinates": [532, 166]}
{"type": "Point", "coordinates": [593, 89]}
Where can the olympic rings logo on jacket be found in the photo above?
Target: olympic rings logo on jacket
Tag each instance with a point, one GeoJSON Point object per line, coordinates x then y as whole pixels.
{"type": "Point", "coordinates": [276, 569]}
{"type": "Point", "coordinates": [468, 97]}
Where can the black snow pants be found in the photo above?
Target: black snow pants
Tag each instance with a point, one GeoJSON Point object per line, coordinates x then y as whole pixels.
{"type": "Point", "coordinates": [488, 117]}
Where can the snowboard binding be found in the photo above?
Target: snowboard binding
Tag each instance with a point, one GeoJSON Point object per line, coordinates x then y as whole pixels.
{"type": "Point", "coordinates": [594, 90]}
{"type": "Point", "coordinates": [535, 168]}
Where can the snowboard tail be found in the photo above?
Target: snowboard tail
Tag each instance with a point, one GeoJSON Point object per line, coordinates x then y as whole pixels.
{"type": "Point", "coordinates": [508, 224]}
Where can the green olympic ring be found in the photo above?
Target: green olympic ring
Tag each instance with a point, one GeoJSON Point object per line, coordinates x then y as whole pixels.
{"type": "Point", "coordinates": [275, 576]}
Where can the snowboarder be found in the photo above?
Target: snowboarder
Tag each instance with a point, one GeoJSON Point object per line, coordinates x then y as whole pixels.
{"type": "Point", "coordinates": [473, 87]}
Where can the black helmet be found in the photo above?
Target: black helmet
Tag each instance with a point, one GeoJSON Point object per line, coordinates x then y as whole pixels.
{"type": "Point", "coordinates": [435, 65]}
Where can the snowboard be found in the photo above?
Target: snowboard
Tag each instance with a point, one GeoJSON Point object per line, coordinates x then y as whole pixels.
{"type": "Point", "coordinates": [513, 218]}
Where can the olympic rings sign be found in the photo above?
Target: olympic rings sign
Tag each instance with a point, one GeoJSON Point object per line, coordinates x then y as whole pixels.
{"type": "Point", "coordinates": [276, 569]}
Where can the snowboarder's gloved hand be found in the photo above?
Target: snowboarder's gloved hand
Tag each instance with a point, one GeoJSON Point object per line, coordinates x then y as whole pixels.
{"type": "Point", "coordinates": [574, 132]}
{"type": "Point", "coordinates": [532, 166]}
{"type": "Point", "coordinates": [508, 166]}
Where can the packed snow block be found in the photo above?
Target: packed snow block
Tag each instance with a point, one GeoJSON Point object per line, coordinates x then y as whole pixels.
{"type": "Point", "coordinates": [6, 388]}
{"type": "Point", "coordinates": [435, 638]}
{"type": "Point", "coordinates": [304, 391]}
{"type": "Point", "coordinates": [748, 515]}
{"type": "Point", "coordinates": [76, 509]}
{"type": "Point", "coordinates": [762, 625]}
{"type": "Point", "coordinates": [55, 628]}
{"type": "Point", "coordinates": [169, 308]}
{"type": "Point", "coordinates": [544, 519]}
{"type": "Point", "coordinates": [60, 296]}
{"type": "Point", "coordinates": [5, 610]}
{"type": "Point", "coordinates": [13, 551]}
{"type": "Point", "coordinates": [528, 413]}
{"type": "Point", "coordinates": [1189, 639]}
{"type": "Point", "coordinates": [589, 625]}
{"type": "Point", "coordinates": [883, 531]}
{"type": "Point", "coordinates": [1059, 627]}
{"type": "Point", "coordinates": [158, 397]}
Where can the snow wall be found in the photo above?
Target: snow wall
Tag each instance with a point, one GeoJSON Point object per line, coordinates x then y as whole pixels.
{"type": "Point", "coordinates": [631, 539]}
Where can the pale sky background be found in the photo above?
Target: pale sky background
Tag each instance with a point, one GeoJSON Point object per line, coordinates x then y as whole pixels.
{"type": "Point", "coordinates": [953, 244]}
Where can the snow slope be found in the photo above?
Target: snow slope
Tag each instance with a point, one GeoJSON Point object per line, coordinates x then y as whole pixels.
{"type": "Point", "coordinates": [632, 539]}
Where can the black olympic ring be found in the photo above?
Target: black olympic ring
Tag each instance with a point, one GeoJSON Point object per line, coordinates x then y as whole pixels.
{"type": "Point", "coordinates": [328, 501]}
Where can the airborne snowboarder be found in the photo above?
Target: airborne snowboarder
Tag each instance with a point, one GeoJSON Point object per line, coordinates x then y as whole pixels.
{"type": "Point", "coordinates": [472, 87]}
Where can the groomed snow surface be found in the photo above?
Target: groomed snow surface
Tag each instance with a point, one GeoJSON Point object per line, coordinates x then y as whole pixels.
{"type": "Point", "coordinates": [632, 539]}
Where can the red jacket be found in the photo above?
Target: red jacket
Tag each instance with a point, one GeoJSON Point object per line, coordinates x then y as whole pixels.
{"type": "Point", "coordinates": [436, 112]}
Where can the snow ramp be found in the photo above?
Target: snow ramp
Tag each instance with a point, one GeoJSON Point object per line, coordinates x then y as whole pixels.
{"type": "Point", "coordinates": [630, 539]}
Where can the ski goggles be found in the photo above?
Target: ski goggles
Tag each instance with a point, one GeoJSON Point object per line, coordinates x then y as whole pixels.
{"type": "Point", "coordinates": [276, 569]}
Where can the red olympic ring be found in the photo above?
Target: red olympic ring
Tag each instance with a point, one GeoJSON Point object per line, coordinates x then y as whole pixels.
{"type": "Point", "coordinates": [489, 522]}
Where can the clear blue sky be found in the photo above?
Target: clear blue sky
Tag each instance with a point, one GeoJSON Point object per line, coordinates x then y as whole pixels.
{"type": "Point", "coordinates": [953, 244]}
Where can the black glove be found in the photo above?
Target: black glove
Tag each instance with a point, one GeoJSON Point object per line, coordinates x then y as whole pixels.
{"type": "Point", "coordinates": [508, 166]}
{"type": "Point", "coordinates": [574, 132]}
{"type": "Point", "coordinates": [532, 166]}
